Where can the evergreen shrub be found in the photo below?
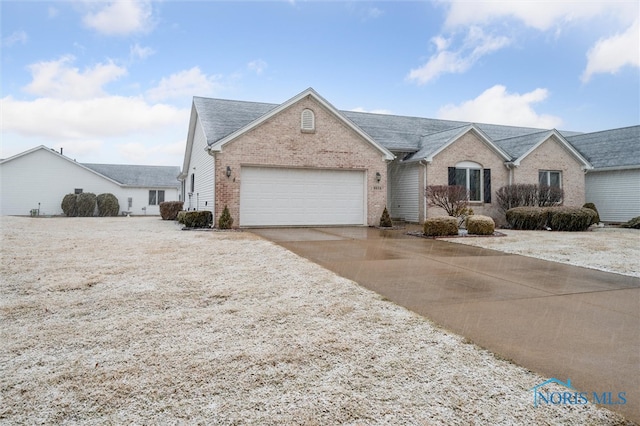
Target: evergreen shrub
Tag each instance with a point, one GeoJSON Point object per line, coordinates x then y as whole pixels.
{"type": "Point", "coordinates": [632, 223]}
{"type": "Point", "coordinates": [527, 218]}
{"type": "Point", "coordinates": [441, 226]}
{"type": "Point", "coordinates": [198, 219]}
{"type": "Point", "coordinates": [69, 205]}
{"type": "Point", "coordinates": [180, 217]}
{"type": "Point", "coordinates": [478, 224]}
{"type": "Point", "coordinates": [225, 221]}
{"type": "Point", "coordinates": [385, 219]}
{"type": "Point", "coordinates": [169, 209]}
{"type": "Point", "coordinates": [108, 205]}
{"type": "Point", "coordinates": [592, 206]}
{"type": "Point", "coordinates": [86, 204]}
{"type": "Point", "coordinates": [573, 219]}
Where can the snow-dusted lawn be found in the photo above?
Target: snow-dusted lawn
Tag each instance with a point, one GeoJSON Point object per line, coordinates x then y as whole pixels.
{"type": "Point", "coordinates": [607, 249]}
{"type": "Point", "coordinates": [130, 320]}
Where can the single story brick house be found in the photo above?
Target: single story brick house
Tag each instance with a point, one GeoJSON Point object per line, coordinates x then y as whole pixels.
{"type": "Point", "coordinates": [40, 178]}
{"type": "Point", "coordinates": [303, 162]}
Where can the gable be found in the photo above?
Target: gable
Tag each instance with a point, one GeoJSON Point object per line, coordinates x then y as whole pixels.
{"type": "Point", "coordinates": [306, 96]}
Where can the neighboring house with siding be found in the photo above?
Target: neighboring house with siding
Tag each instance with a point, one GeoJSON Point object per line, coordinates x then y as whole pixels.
{"type": "Point", "coordinates": [303, 162]}
{"type": "Point", "coordinates": [613, 184]}
{"type": "Point", "coordinates": [41, 177]}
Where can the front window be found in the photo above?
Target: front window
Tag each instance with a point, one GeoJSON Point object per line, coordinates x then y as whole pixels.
{"type": "Point", "coordinates": [156, 197]}
{"type": "Point", "coordinates": [550, 178]}
{"type": "Point", "coordinates": [469, 175]}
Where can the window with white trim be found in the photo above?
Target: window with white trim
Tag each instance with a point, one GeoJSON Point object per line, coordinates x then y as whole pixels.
{"type": "Point", "coordinates": [308, 121]}
{"type": "Point", "coordinates": [550, 178]}
{"type": "Point", "coordinates": [156, 197]}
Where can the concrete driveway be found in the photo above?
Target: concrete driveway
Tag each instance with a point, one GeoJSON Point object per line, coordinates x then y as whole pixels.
{"type": "Point", "coordinates": [558, 320]}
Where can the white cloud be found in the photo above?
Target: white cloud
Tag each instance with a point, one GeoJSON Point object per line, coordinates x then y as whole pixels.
{"type": "Point", "coordinates": [120, 17]}
{"type": "Point", "coordinates": [373, 111]}
{"type": "Point", "coordinates": [603, 18]}
{"type": "Point", "coordinates": [611, 54]}
{"type": "Point", "coordinates": [17, 37]}
{"type": "Point", "coordinates": [185, 83]}
{"type": "Point", "coordinates": [108, 116]}
{"type": "Point", "coordinates": [475, 45]}
{"type": "Point", "coordinates": [58, 79]}
{"type": "Point", "coordinates": [258, 66]}
{"type": "Point", "coordinates": [541, 16]}
{"type": "Point", "coordinates": [496, 106]}
{"type": "Point", "coordinates": [139, 52]}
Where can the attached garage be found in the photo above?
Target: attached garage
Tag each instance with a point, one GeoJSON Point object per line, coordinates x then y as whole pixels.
{"type": "Point", "coordinates": [272, 196]}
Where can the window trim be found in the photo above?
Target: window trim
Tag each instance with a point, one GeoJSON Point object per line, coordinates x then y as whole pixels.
{"type": "Point", "coordinates": [467, 166]}
{"type": "Point", "coordinates": [548, 177]}
{"type": "Point", "coordinates": [157, 194]}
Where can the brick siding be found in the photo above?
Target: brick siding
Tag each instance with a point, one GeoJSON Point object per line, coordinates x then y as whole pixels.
{"type": "Point", "coordinates": [279, 142]}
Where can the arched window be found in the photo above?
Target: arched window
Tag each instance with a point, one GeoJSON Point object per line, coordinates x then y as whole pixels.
{"type": "Point", "coordinates": [308, 121]}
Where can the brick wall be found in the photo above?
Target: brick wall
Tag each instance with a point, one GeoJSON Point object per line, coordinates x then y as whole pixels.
{"type": "Point", "coordinates": [279, 142]}
{"type": "Point", "coordinates": [469, 148]}
{"type": "Point", "coordinates": [551, 155]}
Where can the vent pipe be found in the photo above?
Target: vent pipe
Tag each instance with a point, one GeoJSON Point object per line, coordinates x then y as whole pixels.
{"type": "Point", "coordinates": [60, 150]}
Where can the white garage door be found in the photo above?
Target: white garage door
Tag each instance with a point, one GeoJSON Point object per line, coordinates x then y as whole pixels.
{"type": "Point", "coordinates": [274, 196]}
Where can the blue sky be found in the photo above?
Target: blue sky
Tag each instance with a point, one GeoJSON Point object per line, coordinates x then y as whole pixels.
{"type": "Point", "coordinates": [112, 81]}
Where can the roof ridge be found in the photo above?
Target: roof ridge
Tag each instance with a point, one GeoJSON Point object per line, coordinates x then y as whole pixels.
{"type": "Point", "coordinates": [527, 134]}
{"type": "Point", "coordinates": [604, 131]}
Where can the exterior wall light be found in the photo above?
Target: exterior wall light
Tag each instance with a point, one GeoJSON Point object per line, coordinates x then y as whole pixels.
{"type": "Point", "coordinates": [228, 171]}
{"type": "Point", "coordinates": [378, 177]}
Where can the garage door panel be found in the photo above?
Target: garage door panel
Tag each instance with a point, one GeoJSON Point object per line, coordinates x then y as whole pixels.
{"type": "Point", "coordinates": [274, 196]}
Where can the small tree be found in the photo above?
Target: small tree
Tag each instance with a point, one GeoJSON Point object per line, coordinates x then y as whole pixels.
{"type": "Point", "coordinates": [385, 219]}
{"type": "Point", "coordinates": [225, 221]}
{"type": "Point", "coordinates": [454, 199]}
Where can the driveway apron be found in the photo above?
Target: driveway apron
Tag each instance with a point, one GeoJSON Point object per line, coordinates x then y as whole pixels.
{"type": "Point", "coordinates": [558, 320]}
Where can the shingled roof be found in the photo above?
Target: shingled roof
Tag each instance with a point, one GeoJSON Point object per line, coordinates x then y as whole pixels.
{"type": "Point", "coordinates": [616, 148]}
{"type": "Point", "coordinates": [422, 137]}
{"type": "Point", "coordinates": [139, 176]}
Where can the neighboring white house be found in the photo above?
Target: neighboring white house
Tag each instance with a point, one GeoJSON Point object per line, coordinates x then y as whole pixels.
{"type": "Point", "coordinates": [40, 178]}
{"type": "Point", "coordinates": [613, 184]}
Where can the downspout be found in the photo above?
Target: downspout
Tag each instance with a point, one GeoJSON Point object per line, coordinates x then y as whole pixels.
{"type": "Point", "coordinates": [425, 163]}
{"type": "Point", "coordinates": [212, 154]}
{"type": "Point", "coordinates": [510, 166]}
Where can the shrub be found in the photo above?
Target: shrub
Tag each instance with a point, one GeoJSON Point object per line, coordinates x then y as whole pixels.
{"type": "Point", "coordinates": [225, 221]}
{"type": "Point", "coordinates": [441, 226]}
{"type": "Point", "coordinates": [517, 195]}
{"type": "Point", "coordinates": [86, 204]}
{"type": "Point", "coordinates": [169, 209]}
{"type": "Point", "coordinates": [592, 206]}
{"type": "Point", "coordinates": [108, 205]}
{"type": "Point", "coordinates": [180, 217]}
{"type": "Point", "coordinates": [549, 195]}
{"type": "Point", "coordinates": [385, 219]}
{"type": "Point", "coordinates": [480, 225]}
{"type": "Point", "coordinates": [528, 195]}
{"type": "Point", "coordinates": [570, 218]}
{"type": "Point", "coordinates": [452, 198]}
{"type": "Point", "coordinates": [632, 223]}
{"type": "Point", "coordinates": [69, 205]}
{"type": "Point", "coordinates": [528, 218]}
{"type": "Point", "coordinates": [198, 219]}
